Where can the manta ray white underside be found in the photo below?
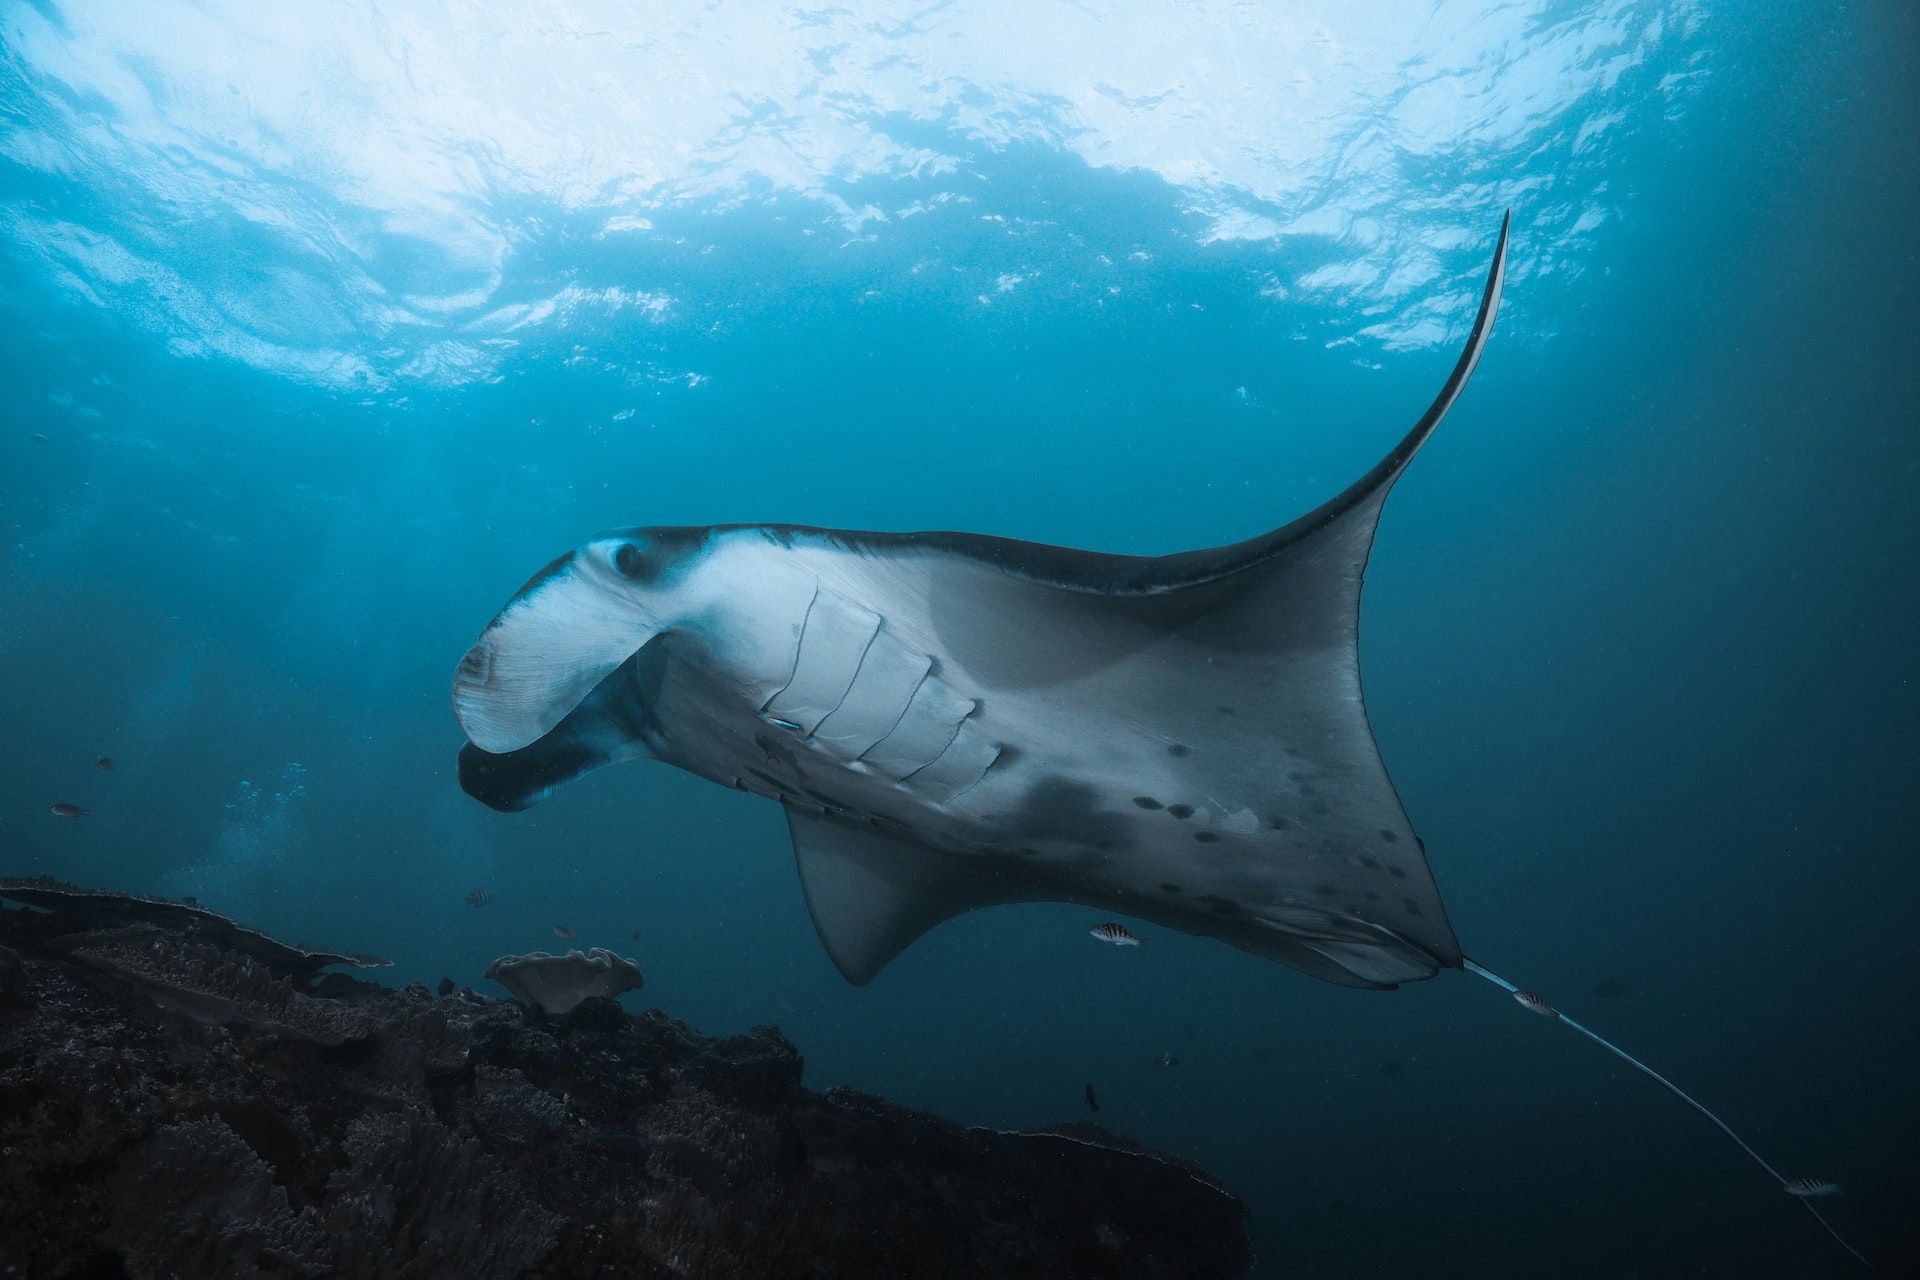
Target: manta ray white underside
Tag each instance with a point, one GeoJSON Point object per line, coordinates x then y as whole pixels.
{"type": "Point", "coordinates": [953, 721]}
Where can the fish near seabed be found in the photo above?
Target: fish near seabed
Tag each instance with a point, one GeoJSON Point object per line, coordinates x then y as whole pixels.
{"type": "Point", "coordinates": [954, 721]}
{"type": "Point", "coordinates": [1117, 934]}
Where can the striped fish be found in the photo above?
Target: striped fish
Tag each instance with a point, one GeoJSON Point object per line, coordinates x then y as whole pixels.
{"type": "Point", "coordinates": [1804, 1187]}
{"type": "Point", "coordinates": [1534, 1002]}
{"type": "Point", "coordinates": [1108, 931]}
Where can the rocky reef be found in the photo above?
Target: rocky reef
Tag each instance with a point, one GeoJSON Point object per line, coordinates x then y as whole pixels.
{"type": "Point", "coordinates": [181, 1096]}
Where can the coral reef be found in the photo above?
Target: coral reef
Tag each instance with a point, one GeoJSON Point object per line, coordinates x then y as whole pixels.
{"type": "Point", "coordinates": [558, 983]}
{"type": "Point", "coordinates": [180, 1097]}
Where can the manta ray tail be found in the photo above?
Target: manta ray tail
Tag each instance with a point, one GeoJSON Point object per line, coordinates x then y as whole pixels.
{"type": "Point", "coordinates": [1538, 1005]}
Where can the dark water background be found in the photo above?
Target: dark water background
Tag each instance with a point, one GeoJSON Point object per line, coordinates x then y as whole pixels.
{"type": "Point", "coordinates": [1639, 640]}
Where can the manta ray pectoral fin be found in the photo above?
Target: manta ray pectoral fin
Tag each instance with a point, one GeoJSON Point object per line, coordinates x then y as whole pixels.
{"type": "Point", "coordinates": [871, 894]}
{"type": "Point", "coordinates": [558, 638]}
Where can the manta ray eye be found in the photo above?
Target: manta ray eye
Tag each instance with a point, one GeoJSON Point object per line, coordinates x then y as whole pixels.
{"type": "Point", "coordinates": [630, 560]}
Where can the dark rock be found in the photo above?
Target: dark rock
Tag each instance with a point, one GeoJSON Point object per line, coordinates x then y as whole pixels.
{"type": "Point", "coordinates": [73, 909]}
{"type": "Point", "coordinates": [172, 1103]}
{"type": "Point", "coordinates": [597, 1013]}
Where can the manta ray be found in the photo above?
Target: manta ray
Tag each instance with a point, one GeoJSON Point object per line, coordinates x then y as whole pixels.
{"type": "Point", "coordinates": [954, 721]}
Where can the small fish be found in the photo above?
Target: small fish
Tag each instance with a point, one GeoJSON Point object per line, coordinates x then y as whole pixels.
{"type": "Point", "coordinates": [1108, 931]}
{"type": "Point", "coordinates": [1804, 1187]}
{"type": "Point", "coordinates": [104, 764]}
{"type": "Point", "coordinates": [68, 811]}
{"type": "Point", "coordinates": [40, 438]}
{"type": "Point", "coordinates": [1093, 1103]}
{"type": "Point", "coordinates": [1534, 1002]}
{"type": "Point", "coordinates": [563, 932]}
{"type": "Point", "coordinates": [479, 898]}
{"type": "Point", "coordinates": [1166, 1060]}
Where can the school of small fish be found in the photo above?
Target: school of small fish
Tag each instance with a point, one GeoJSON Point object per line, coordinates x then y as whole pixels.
{"type": "Point", "coordinates": [1108, 931]}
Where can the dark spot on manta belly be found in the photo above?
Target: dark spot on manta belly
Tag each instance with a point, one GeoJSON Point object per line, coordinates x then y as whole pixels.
{"type": "Point", "coordinates": [1413, 908]}
{"type": "Point", "coordinates": [1220, 905]}
{"type": "Point", "coordinates": [1167, 886]}
{"type": "Point", "coordinates": [1396, 873]}
{"type": "Point", "coordinates": [1182, 811]}
{"type": "Point", "coordinates": [1179, 749]}
{"type": "Point", "coordinates": [1059, 808]}
{"type": "Point", "coordinates": [1225, 711]}
{"type": "Point", "coordinates": [1207, 837]}
{"type": "Point", "coordinates": [1147, 802]}
{"type": "Point", "coordinates": [1320, 806]}
{"type": "Point", "coordinates": [1388, 836]}
{"type": "Point", "coordinates": [1371, 864]}
{"type": "Point", "coordinates": [1325, 890]}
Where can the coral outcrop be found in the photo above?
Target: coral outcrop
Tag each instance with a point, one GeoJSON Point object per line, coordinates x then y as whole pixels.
{"type": "Point", "coordinates": [184, 1097]}
{"type": "Point", "coordinates": [559, 983]}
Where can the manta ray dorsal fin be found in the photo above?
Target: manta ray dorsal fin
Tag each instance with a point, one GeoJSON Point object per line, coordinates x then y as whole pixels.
{"type": "Point", "coordinates": [560, 636]}
{"type": "Point", "coordinates": [872, 894]}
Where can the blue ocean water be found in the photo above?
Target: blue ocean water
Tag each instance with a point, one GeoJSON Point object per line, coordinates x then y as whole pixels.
{"type": "Point", "coordinates": [325, 331]}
